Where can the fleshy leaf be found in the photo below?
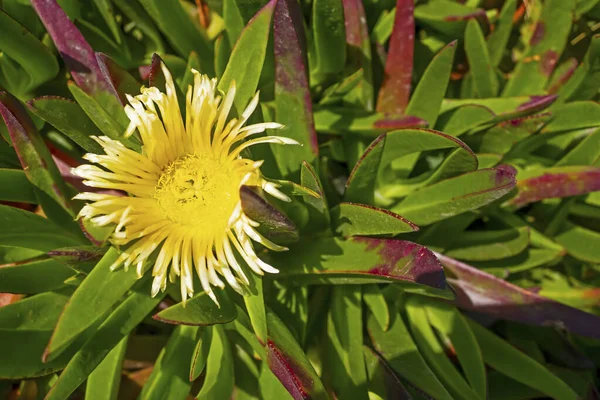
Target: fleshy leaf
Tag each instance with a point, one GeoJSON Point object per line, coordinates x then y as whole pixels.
{"type": "Point", "coordinates": [72, 46]}
{"type": "Point", "coordinates": [33, 153]}
{"type": "Point", "coordinates": [274, 225]}
{"type": "Point", "coordinates": [400, 352]}
{"type": "Point", "coordinates": [484, 293]}
{"type": "Point", "coordinates": [353, 219]}
{"type": "Point", "coordinates": [109, 334]}
{"type": "Point", "coordinates": [68, 117]}
{"type": "Point", "coordinates": [250, 49]}
{"type": "Point", "coordinates": [96, 295]}
{"type": "Point", "coordinates": [544, 49]}
{"type": "Point", "coordinates": [289, 363]}
{"type": "Point", "coordinates": [358, 41]}
{"type": "Point", "coordinates": [395, 89]}
{"type": "Point", "coordinates": [456, 195]}
{"type": "Point", "coordinates": [427, 98]}
{"type": "Point", "coordinates": [363, 260]}
{"type": "Point", "coordinates": [293, 106]}
{"type": "Point", "coordinates": [556, 183]}
{"type": "Point", "coordinates": [200, 310]}
{"type": "Point", "coordinates": [170, 374]}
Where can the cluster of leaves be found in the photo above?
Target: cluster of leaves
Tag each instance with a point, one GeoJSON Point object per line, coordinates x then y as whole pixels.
{"type": "Point", "coordinates": [444, 232]}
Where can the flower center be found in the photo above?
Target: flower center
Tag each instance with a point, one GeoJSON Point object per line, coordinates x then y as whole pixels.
{"type": "Point", "coordinates": [198, 191]}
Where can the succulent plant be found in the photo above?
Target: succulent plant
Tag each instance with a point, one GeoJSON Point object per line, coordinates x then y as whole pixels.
{"type": "Point", "coordinates": [440, 217]}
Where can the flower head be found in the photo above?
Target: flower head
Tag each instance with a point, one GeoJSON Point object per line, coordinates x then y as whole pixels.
{"type": "Point", "coordinates": [183, 204]}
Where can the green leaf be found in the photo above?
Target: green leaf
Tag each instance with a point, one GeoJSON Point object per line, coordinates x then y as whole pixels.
{"type": "Point", "coordinates": [432, 350]}
{"type": "Point", "coordinates": [234, 23]}
{"type": "Point", "coordinates": [38, 312]}
{"type": "Point", "coordinates": [400, 352]}
{"type": "Point", "coordinates": [293, 106]}
{"type": "Point", "coordinates": [109, 124]}
{"type": "Point", "coordinates": [543, 51]}
{"type": "Point", "coordinates": [351, 219]}
{"type": "Point", "coordinates": [585, 153]}
{"type": "Point", "coordinates": [427, 98]}
{"type": "Point", "coordinates": [27, 326]}
{"type": "Point", "coordinates": [362, 260]}
{"type": "Point", "coordinates": [109, 334]}
{"type": "Point", "coordinates": [33, 276]}
{"type": "Point", "coordinates": [317, 206]}
{"type": "Point", "coordinates": [219, 380]}
{"type": "Point", "coordinates": [105, 8]}
{"type": "Point", "coordinates": [170, 375]}
{"type": "Point", "coordinates": [21, 189]}
{"type": "Point", "coordinates": [383, 381]}
{"type": "Point", "coordinates": [96, 295]}
{"type": "Point", "coordinates": [68, 117]}
{"type": "Point", "coordinates": [200, 354]}
{"type": "Point", "coordinates": [456, 195]}
{"type": "Point", "coordinates": [200, 310]}
{"type": "Point", "coordinates": [180, 31]}
{"type": "Point", "coordinates": [465, 118]}
{"type": "Point", "coordinates": [25, 229]}
{"type": "Point", "coordinates": [33, 56]}
{"type": "Point", "coordinates": [394, 145]}
{"type": "Point", "coordinates": [506, 359]}
{"type": "Point", "coordinates": [447, 16]}
{"type": "Point", "coordinates": [489, 245]}
{"type": "Point", "coordinates": [103, 383]}
{"type": "Point", "coordinates": [329, 36]}
{"type": "Point", "coordinates": [484, 76]}
{"type": "Point", "coordinates": [450, 322]}
{"type": "Point", "coordinates": [374, 299]}
{"type": "Point", "coordinates": [255, 304]}
{"type": "Point", "coordinates": [580, 242]}
{"type": "Point", "coordinates": [250, 49]}
{"type": "Point", "coordinates": [344, 361]}
{"type": "Point", "coordinates": [498, 39]}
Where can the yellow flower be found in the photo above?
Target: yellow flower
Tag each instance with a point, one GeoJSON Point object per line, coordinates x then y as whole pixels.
{"type": "Point", "coordinates": [183, 200]}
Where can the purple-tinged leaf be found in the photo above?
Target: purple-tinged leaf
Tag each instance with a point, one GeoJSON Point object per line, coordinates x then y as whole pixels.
{"type": "Point", "coordinates": [274, 224]}
{"type": "Point", "coordinates": [532, 105]}
{"type": "Point", "coordinates": [357, 37]}
{"type": "Point", "coordinates": [448, 17]}
{"type": "Point", "coordinates": [549, 38]}
{"type": "Point", "coordinates": [504, 108]}
{"type": "Point", "coordinates": [484, 293]}
{"type": "Point", "coordinates": [289, 363]}
{"type": "Point", "coordinates": [557, 183]}
{"type": "Point", "coordinates": [121, 80]}
{"type": "Point", "coordinates": [562, 74]}
{"type": "Point", "coordinates": [395, 89]}
{"type": "Point", "coordinates": [359, 260]}
{"type": "Point", "coordinates": [343, 121]}
{"type": "Point", "coordinates": [33, 153]}
{"type": "Point", "coordinates": [293, 105]}
{"type": "Point", "coordinates": [72, 46]}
